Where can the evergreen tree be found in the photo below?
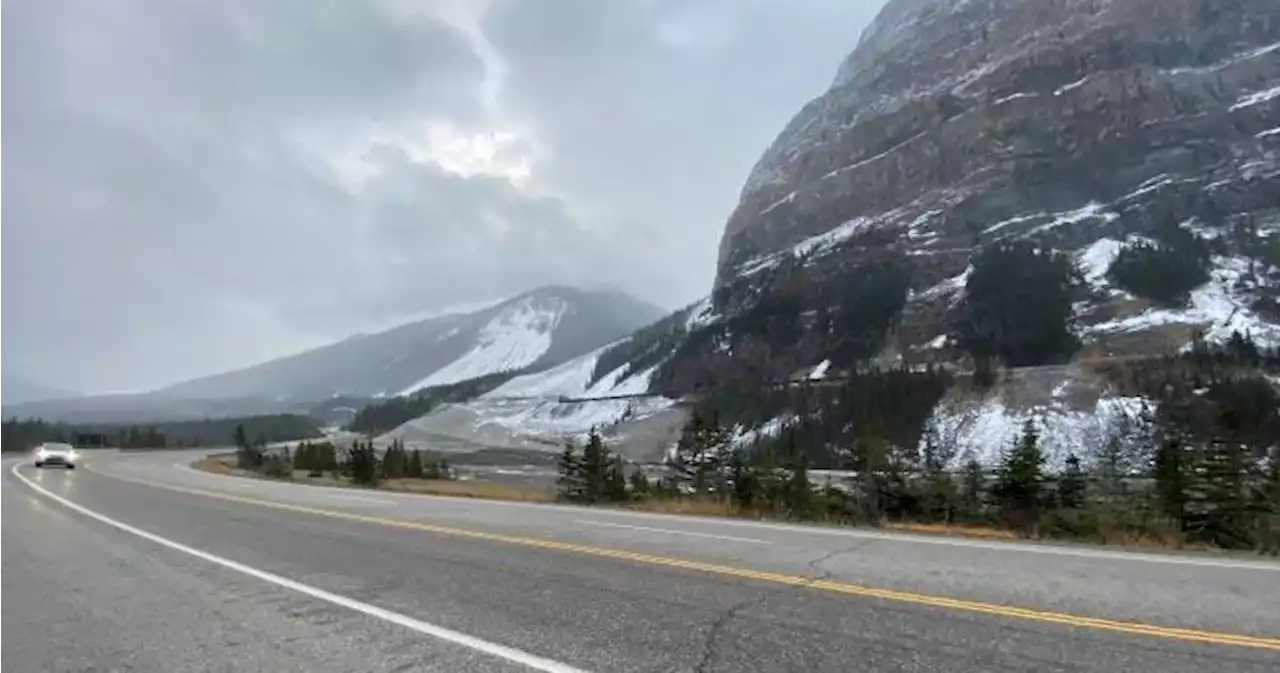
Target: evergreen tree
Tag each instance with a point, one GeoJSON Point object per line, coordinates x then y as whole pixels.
{"type": "Point", "coordinates": [1071, 486]}
{"type": "Point", "coordinates": [596, 461]}
{"type": "Point", "coordinates": [640, 487]}
{"type": "Point", "coordinates": [799, 492]}
{"type": "Point", "coordinates": [1173, 475]}
{"type": "Point", "coordinates": [363, 463]}
{"type": "Point", "coordinates": [615, 481]}
{"type": "Point", "coordinates": [414, 468]}
{"type": "Point", "coordinates": [570, 483]}
{"type": "Point", "coordinates": [937, 489]}
{"type": "Point", "coordinates": [1019, 481]}
{"type": "Point", "coordinates": [743, 481]}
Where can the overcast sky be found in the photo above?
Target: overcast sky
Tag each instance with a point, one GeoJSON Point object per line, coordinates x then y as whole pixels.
{"type": "Point", "coordinates": [192, 186]}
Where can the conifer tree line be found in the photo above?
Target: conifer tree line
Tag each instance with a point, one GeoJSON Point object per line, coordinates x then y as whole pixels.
{"type": "Point", "coordinates": [360, 463]}
{"type": "Point", "coordinates": [1171, 490]}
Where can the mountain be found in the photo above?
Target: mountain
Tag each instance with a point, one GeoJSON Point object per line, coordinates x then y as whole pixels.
{"type": "Point", "coordinates": [1022, 208]}
{"type": "Point", "coordinates": [19, 389]}
{"type": "Point", "coordinates": [535, 330]}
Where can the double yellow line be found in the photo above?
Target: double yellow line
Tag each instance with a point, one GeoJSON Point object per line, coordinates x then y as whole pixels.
{"type": "Point", "coordinates": [833, 586]}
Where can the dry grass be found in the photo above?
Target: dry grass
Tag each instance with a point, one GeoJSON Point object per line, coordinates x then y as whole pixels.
{"type": "Point", "coordinates": [978, 532]}
{"type": "Point", "coordinates": [219, 466]}
{"type": "Point", "coordinates": [487, 490]}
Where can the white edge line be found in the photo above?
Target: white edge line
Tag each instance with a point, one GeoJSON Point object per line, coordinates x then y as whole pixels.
{"type": "Point", "coordinates": [501, 651]}
{"type": "Point", "coordinates": [801, 529]}
{"type": "Point", "coordinates": [668, 531]}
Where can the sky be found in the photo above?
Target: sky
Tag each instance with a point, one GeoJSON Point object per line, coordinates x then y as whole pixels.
{"type": "Point", "coordinates": [192, 186]}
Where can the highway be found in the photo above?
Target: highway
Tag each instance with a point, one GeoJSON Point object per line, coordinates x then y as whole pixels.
{"type": "Point", "coordinates": [136, 562]}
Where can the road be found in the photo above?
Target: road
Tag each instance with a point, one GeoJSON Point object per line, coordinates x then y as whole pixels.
{"type": "Point", "coordinates": [138, 563]}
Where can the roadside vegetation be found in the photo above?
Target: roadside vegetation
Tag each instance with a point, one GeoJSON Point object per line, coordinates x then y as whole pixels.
{"type": "Point", "coordinates": [1193, 492]}
{"type": "Point", "coordinates": [359, 464]}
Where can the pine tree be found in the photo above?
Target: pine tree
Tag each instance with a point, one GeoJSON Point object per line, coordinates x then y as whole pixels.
{"type": "Point", "coordinates": [570, 481]}
{"type": "Point", "coordinates": [362, 464]}
{"type": "Point", "coordinates": [414, 468]}
{"type": "Point", "coordinates": [615, 481]}
{"type": "Point", "coordinates": [1173, 475]}
{"type": "Point", "coordinates": [743, 481]}
{"type": "Point", "coordinates": [640, 487]}
{"type": "Point", "coordinates": [1019, 482]}
{"type": "Point", "coordinates": [595, 466]}
{"type": "Point", "coordinates": [938, 490]}
{"type": "Point", "coordinates": [799, 492]}
{"type": "Point", "coordinates": [1071, 487]}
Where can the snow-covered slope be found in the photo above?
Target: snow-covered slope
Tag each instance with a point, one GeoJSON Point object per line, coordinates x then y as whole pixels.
{"type": "Point", "coordinates": [514, 339]}
{"type": "Point", "coordinates": [541, 410]}
{"type": "Point", "coordinates": [537, 329]}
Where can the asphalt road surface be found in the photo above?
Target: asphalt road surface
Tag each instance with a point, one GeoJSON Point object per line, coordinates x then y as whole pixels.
{"type": "Point", "coordinates": [135, 562]}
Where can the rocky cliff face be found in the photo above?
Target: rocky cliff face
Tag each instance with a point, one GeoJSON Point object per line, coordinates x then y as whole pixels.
{"type": "Point", "coordinates": [1076, 124]}
{"type": "Point", "coordinates": [1138, 140]}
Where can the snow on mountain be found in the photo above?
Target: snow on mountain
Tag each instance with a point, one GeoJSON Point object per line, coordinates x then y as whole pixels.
{"type": "Point", "coordinates": [515, 338]}
{"type": "Point", "coordinates": [1222, 306]}
{"type": "Point", "coordinates": [537, 329]}
{"type": "Point", "coordinates": [541, 410]}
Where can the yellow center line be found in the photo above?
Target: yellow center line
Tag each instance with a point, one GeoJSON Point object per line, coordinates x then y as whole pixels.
{"type": "Point", "coordinates": [832, 586]}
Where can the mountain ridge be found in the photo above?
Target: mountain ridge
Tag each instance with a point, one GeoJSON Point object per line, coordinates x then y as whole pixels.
{"type": "Point", "coordinates": [360, 365]}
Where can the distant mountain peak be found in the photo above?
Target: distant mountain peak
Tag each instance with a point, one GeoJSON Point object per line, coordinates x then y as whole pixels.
{"type": "Point", "coordinates": [531, 330]}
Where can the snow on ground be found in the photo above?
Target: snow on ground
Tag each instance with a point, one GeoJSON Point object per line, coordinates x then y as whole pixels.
{"type": "Point", "coordinates": [513, 339]}
{"type": "Point", "coordinates": [1256, 97]}
{"type": "Point", "coordinates": [1089, 211]}
{"type": "Point", "coordinates": [551, 418]}
{"type": "Point", "coordinates": [985, 430]}
{"type": "Point", "coordinates": [824, 242]}
{"type": "Point", "coordinates": [700, 314]}
{"type": "Point", "coordinates": [1096, 259]}
{"type": "Point", "coordinates": [952, 285]}
{"type": "Point", "coordinates": [1219, 305]}
{"type": "Point", "coordinates": [820, 372]}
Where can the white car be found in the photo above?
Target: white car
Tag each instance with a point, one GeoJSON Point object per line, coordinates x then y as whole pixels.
{"type": "Point", "coordinates": [53, 453]}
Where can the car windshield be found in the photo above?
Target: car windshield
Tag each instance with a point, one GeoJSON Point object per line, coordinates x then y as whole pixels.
{"type": "Point", "coordinates": [57, 447]}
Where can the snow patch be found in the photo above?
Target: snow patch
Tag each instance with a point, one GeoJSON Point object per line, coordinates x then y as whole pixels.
{"type": "Point", "coordinates": [1256, 97]}
{"type": "Point", "coordinates": [1220, 305]}
{"type": "Point", "coordinates": [786, 199]}
{"type": "Point", "coordinates": [1092, 210]}
{"type": "Point", "coordinates": [1068, 87]}
{"type": "Point", "coordinates": [820, 372]}
{"type": "Point", "coordinates": [1269, 132]}
{"type": "Point", "coordinates": [1096, 260]}
{"type": "Point", "coordinates": [952, 285]}
{"type": "Point", "coordinates": [1016, 96]}
{"type": "Point", "coordinates": [513, 339]}
{"type": "Point", "coordinates": [986, 430]}
{"type": "Point", "coordinates": [823, 242]}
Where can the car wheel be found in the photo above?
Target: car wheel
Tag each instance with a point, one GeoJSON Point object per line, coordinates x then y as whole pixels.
{"type": "Point", "coordinates": [71, 467]}
{"type": "Point", "coordinates": [39, 465]}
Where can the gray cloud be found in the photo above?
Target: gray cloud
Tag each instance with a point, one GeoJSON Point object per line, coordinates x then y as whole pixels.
{"type": "Point", "coordinates": [194, 186]}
